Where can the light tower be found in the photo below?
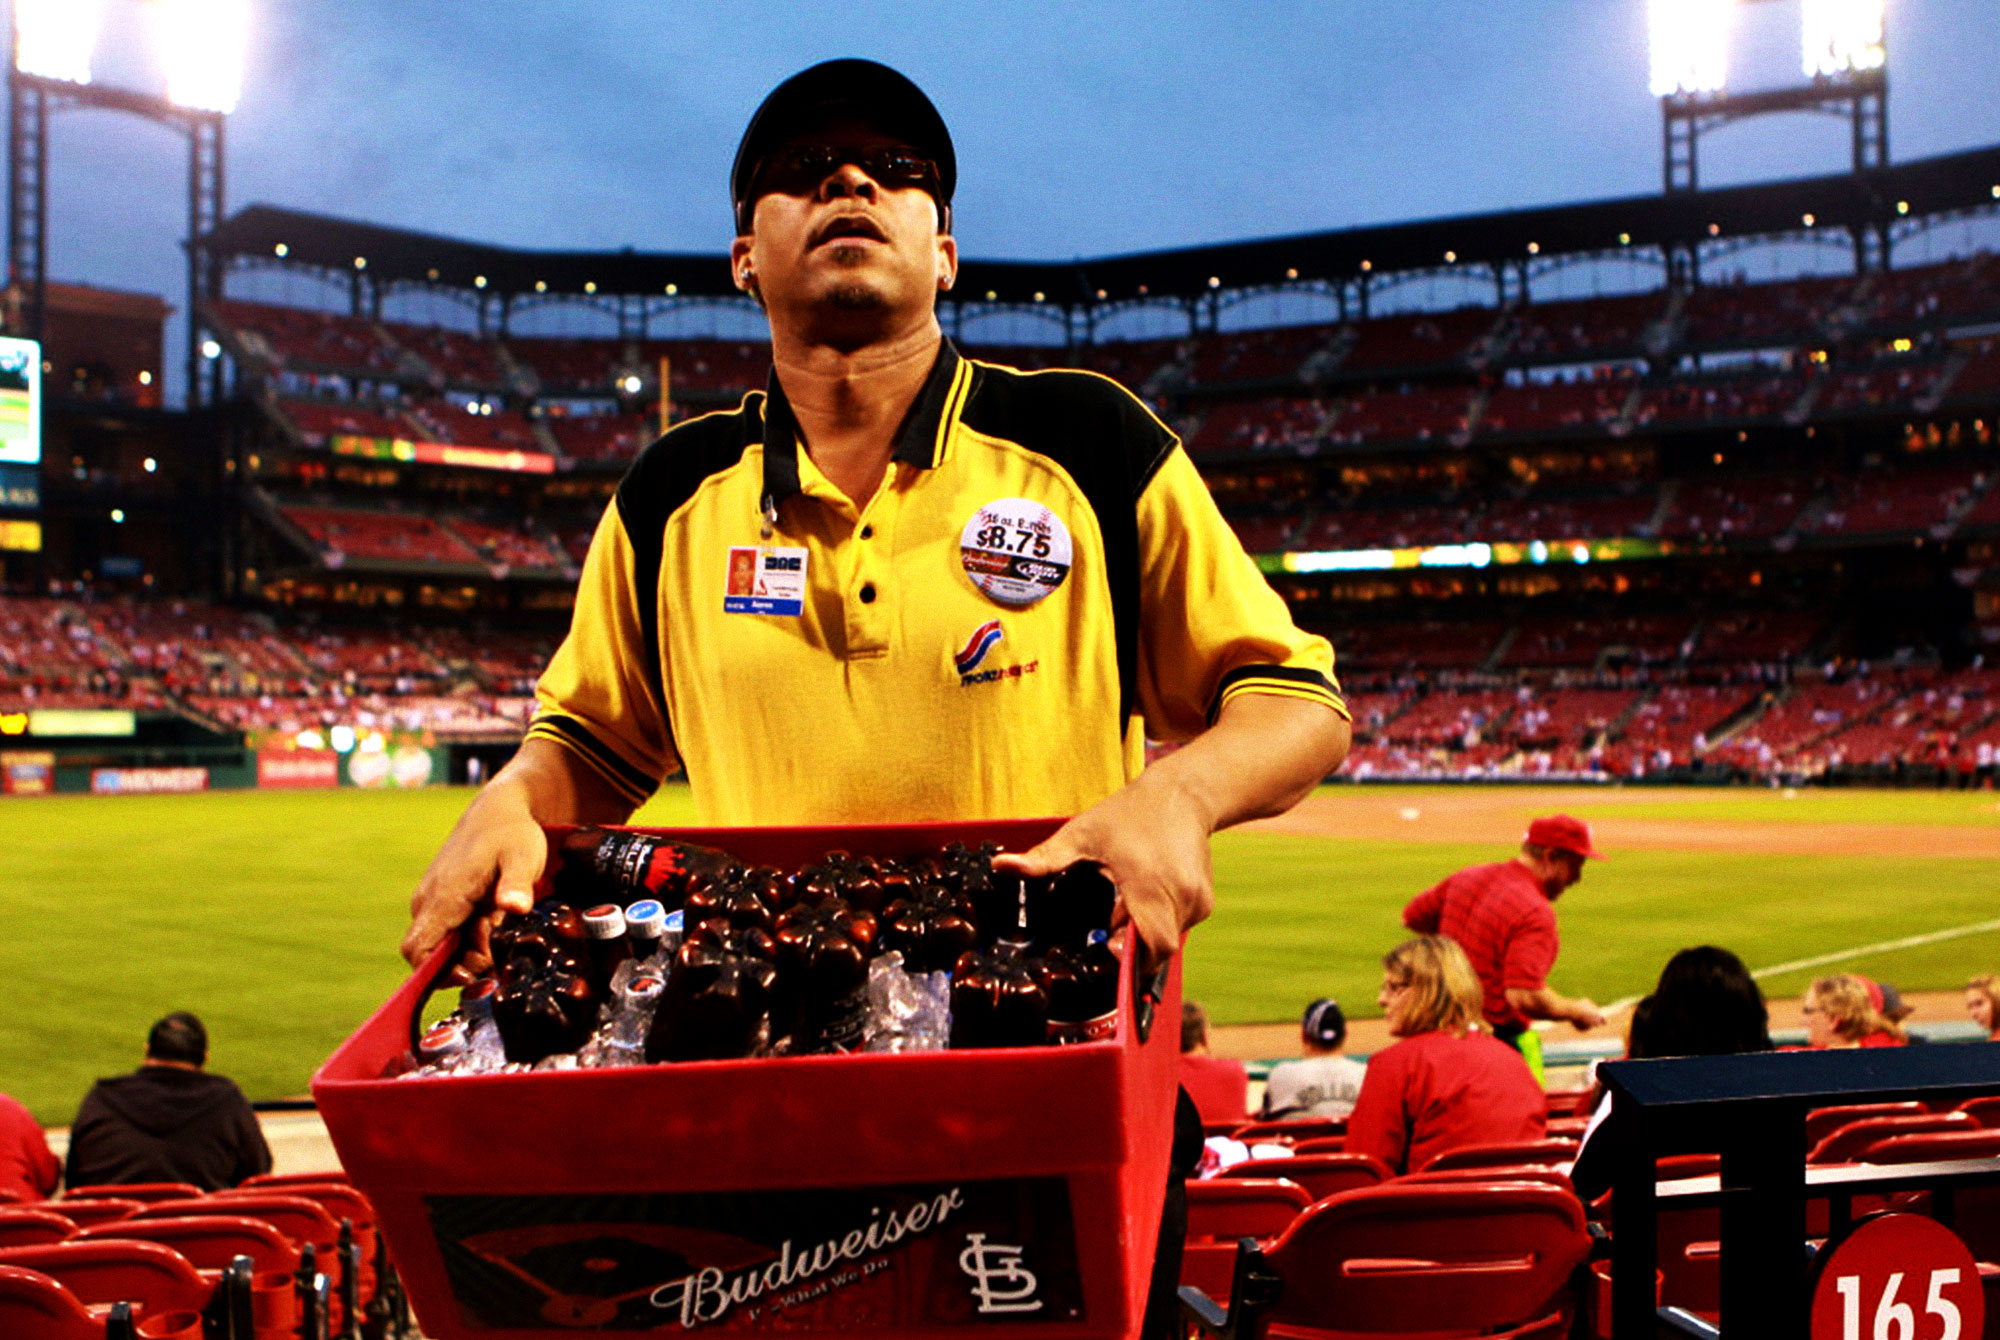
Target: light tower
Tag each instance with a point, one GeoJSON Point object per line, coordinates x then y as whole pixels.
{"type": "Point", "coordinates": [202, 45]}
{"type": "Point", "coordinates": [1843, 57]}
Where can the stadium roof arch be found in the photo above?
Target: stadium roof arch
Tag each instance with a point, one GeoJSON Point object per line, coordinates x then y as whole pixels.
{"type": "Point", "coordinates": [1907, 193]}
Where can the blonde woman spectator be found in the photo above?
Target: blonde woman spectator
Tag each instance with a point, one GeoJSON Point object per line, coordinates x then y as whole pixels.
{"type": "Point", "coordinates": [1840, 1012]}
{"type": "Point", "coordinates": [1443, 1084]}
{"type": "Point", "coordinates": [1982, 1002]}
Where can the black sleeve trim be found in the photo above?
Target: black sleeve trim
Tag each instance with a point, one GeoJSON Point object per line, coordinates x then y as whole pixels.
{"type": "Point", "coordinates": [1290, 674]}
{"type": "Point", "coordinates": [607, 760]}
{"type": "Point", "coordinates": [665, 475]}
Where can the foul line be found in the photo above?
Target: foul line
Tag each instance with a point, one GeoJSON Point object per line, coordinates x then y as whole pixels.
{"type": "Point", "coordinates": [1907, 942]}
{"type": "Point", "coordinates": [1817, 960]}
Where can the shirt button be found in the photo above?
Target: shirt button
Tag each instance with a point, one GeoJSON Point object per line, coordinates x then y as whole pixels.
{"type": "Point", "coordinates": [867, 532]}
{"type": "Point", "coordinates": [868, 593]}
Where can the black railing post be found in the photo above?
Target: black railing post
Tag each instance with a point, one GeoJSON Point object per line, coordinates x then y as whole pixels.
{"type": "Point", "coordinates": [1764, 1224]}
{"type": "Point", "coordinates": [1635, 1232]}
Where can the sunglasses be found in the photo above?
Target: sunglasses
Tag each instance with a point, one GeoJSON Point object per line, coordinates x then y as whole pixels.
{"type": "Point", "coordinates": [800, 169]}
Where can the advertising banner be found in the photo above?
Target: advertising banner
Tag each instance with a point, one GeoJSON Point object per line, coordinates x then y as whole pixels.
{"type": "Point", "coordinates": [298, 768]}
{"type": "Point", "coordinates": [404, 766]}
{"type": "Point", "coordinates": [851, 1260]}
{"type": "Point", "coordinates": [27, 774]}
{"type": "Point", "coordinates": [147, 781]}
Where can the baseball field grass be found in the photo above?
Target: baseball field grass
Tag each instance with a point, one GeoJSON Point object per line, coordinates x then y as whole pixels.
{"type": "Point", "coordinates": [275, 915]}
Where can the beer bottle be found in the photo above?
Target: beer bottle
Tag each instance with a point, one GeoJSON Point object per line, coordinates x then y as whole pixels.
{"type": "Point", "coordinates": [930, 927]}
{"type": "Point", "coordinates": [595, 865]}
{"type": "Point", "coordinates": [1082, 982]}
{"type": "Point", "coordinates": [822, 985]}
{"type": "Point", "coordinates": [645, 923]}
{"type": "Point", "coordinates": [1063, 909]}
{"type": "Point", "coordinates": [733, 898]}
{"type": "Point", "coordinates": [996, 1000]}
{"type": "Point", "coordinates": [608, 946]}
{"type": "Point", "coordinates": [718, 996]}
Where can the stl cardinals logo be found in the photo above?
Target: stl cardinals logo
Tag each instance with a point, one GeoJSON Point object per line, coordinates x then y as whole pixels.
{"type": "Point", "coordinates": [984, 638]}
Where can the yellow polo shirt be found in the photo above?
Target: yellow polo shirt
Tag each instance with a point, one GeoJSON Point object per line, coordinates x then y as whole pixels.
{"type": "Point", "coordinates": [1041, 580]}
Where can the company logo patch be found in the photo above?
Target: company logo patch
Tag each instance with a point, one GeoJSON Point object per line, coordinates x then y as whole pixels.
{"type": "Point", "coordinates": [984, 638]}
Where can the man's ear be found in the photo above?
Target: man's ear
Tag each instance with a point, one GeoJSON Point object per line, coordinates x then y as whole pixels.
{"type": "Point", "coordinates": [741, 272]}
{"type": "Point", "coordinates": [947, 261]}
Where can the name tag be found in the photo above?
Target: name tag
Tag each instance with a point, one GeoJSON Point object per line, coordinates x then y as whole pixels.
{"type": "Point", "coordinates": [765, 580]}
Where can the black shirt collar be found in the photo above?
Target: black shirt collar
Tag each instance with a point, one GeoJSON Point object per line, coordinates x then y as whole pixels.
{"type": "Point", "coordinates": [918, 441]}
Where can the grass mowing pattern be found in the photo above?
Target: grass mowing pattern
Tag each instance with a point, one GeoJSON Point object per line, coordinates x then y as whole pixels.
{"type": "Point", "coordinates": [275, 916]}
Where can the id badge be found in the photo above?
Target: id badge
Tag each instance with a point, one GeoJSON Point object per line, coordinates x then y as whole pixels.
{"type": "Point", "coordinates": [765, 579]}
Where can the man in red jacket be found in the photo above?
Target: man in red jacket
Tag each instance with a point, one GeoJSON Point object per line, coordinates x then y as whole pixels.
{"type": "Point", "coordinates": [28, 1171]}
{"type": "Point", "coordinates": [1503, 916]}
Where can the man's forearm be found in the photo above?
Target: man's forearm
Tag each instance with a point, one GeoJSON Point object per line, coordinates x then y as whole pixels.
{"type": "Point", "coordinates": [557, 787]}
{"type": "Point", "coordinates": [1543, 1003]}
{"type": "Point", "coordinates": [1263, 755]}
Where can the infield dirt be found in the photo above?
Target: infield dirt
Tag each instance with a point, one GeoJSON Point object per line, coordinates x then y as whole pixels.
{"type": "Point", "coordinates": [1499, 815]}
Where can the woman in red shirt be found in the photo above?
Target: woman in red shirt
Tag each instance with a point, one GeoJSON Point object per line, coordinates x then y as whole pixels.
{"type": "Point", "coordinates": [1444, 1084]}
{"type": "Point", "coordinates": [1841, 1012]}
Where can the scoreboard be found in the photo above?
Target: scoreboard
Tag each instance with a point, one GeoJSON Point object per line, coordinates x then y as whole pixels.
{"type": "Point", "coordinates": [20, 443]}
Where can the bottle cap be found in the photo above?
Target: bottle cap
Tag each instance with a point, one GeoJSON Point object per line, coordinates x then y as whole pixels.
{"type": "Point", "coordinates": [477, 991]}
{"type": "Point", "coordinates": [676, 919]}
{"type": "Point", "coordinates": [1098, 937]}
{"type": "Point", "coordinates": [646, 917]}
{"type": "Point", "coordinates": [644, 987]}
{"type": "Point", "coordinates": [441, 1039]}
{"type": "Point", "coordinates": [604, 922]}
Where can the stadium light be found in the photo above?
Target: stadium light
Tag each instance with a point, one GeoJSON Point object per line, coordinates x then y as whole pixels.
{"type": "Point", "coordinates": [203, 44]}
{"type": "Point", "coordinates": [1842, 36]}
{"type": "Point", "coordinates": [53, 39]}
{"type": "Point", "coordinates": [1690, 45]}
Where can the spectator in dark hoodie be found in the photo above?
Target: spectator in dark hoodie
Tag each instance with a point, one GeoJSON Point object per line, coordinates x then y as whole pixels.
{"type": "Point", "coordinates": [167, 1121]}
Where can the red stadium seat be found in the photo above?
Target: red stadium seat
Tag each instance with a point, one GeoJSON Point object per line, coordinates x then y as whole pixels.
{"type": "Point", "coordinates": [1303, 1128]}
{"type": "Point", "coordinates": [96, 1210]}
{"type": "Point", "coordinates": [21, 1226]}
{"type": "Point", "coordinates": [1322, 1144]}
{"type": "Point", "coordinates": [302, 1221]}
{"type": "Point", "coordinates": [210, 1242]}
{"type": "Point", "coordinates": [1221, 1212]}
{"type": "Point", "coordinates": [1502, 1154]}
{"type": "Point", "coordinates": [148, 1192]}
{"type": "Point", "coordinates": [1322, 1175]}
{"type": "Point", "coordinates": [1824, 1121]}
{"type": "Point", "coordinates": [1924, 1147]}
{"type": "Point", "coordinates": [151, 1277]}
{"type": "Point", "coordinates": [1520, 1172]}
{"type": "Point", "coordinates": [1985, 1111]}
{"type": "Point", "coordinates": [1490, 1259]}
{"type": "Point", "coordinates": [1847, 1142]}
{"type": "Point", "coordinates": [332, 1177]}
{"type": "Point", "coordinates": [1567, 1128]}
{"type": "Point", "coordinates": [35, 1307]}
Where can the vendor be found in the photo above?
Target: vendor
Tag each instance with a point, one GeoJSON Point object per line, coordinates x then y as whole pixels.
{"type": "Point", "coordinates": [973, 591]}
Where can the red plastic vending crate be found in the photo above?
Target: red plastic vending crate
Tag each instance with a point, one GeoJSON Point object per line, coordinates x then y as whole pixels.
{"type": "Point", "coordinates": [1013, 1192]}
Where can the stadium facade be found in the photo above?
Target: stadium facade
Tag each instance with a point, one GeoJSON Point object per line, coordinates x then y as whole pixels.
{"type": "Point", "coordinates": [1697, 527]}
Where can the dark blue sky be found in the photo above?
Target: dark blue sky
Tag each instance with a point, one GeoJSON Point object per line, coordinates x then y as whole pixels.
{"type": "Point", "coordinates": [1082, 128]}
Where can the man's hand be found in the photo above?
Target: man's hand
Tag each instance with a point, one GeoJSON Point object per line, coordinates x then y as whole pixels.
{"type": "Point", "coordinates": [490, 864]}
{"type": "Point", "coordinates": [1153, 845]}
{"type": "Point", "coordinates": [1543, 1003]}
{"type": "Point", "coordinates": [1584, 1014]}
{"type": "Point", "coordinates": [1261, 757]}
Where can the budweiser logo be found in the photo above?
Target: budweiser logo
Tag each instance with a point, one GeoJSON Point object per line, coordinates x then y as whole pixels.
{"type": "Point", "coordinates": [710, 1294]}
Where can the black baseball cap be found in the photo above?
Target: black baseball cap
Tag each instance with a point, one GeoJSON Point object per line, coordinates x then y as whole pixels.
{"type": "Point", "coordinates": [1324, 1023]}
{"type": "Point", "coordinates": [863, 89]}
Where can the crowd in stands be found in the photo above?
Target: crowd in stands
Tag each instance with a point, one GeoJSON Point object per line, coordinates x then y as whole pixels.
{"type": "Point", "coordinates": [1413, 376]}
{"type": "Point", "coordinates": [250, 673]}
